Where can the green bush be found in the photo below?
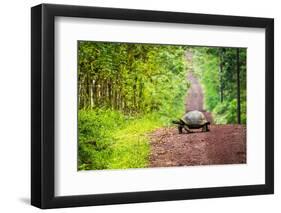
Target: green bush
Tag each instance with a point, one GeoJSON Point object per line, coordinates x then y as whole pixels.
{"type": "Point", "coordinates": [95, 137]}
{"type": "Point", "coordinates": [110, 140]}
{"type": "Point", "coordinates": [226, 112]}
{"type": "Point", "coordinates": [217, 70]}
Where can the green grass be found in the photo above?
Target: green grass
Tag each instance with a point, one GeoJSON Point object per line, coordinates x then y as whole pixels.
{"type": "Point", "coordinates": [131, 148]}
{"type": "Point", "coordinates": [110, 140]}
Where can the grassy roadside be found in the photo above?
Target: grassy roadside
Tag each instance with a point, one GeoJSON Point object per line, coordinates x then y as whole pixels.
{"type": "Point", "coordinates": [110, 140]}
{"type": "Point", "coordinates": [131, 147]}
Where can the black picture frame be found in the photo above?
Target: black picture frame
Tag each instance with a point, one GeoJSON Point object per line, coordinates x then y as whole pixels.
{"type": "Point", "coordinates": [43, 102]}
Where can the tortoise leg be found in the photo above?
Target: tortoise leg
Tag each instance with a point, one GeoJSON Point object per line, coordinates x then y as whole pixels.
{"type": "Point", "coordinates": [180, 129]}
{"type": "Point", "coordinates": [205, 128]}
{"type": "Point", "coordinates": [187, 129]}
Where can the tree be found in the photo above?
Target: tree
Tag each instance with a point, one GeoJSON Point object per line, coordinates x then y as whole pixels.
{"type": "Point", "coordinates": [238, 87]}
{"type": "Point", "coordinates": [132, 78]}
{"type": "Point", "coordinates": [223, 74]}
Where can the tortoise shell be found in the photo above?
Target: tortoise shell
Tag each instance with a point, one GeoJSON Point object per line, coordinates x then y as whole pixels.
{"type": "Point", "coordinates": [194, 118]}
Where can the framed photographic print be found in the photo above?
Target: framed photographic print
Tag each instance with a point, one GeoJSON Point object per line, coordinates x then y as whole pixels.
{"type": "Point", "coordinates": [140, 106]}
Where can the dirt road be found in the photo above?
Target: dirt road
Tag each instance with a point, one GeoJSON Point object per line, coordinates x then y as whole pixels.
{"type": "Point", "coordinates": [224, 144]}
{"type": "Point", "coordinates": [195, 97]}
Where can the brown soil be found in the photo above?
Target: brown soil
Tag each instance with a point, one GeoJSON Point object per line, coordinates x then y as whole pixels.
{"type": "Point", "coordinates": [223, 144]}
{"type": "Point", "coordinates": [195, 97]}
{"type": "Point", "coordinates": [194, 100]}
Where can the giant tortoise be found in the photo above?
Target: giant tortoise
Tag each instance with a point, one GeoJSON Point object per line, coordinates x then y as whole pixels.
{"type": "Point", "coordinates": [192, 120]}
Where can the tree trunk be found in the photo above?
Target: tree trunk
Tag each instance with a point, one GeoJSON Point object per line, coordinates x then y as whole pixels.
{"type": "Point", "coordinates": [221, 75]}
{"type": "Point", "coordinates": [89, 91]}
{"type": "Point", "coordinates": [110, 93]}
{"type": "Point", "coordinates": [135, 92]}
{"type": "Point", "coordinates": [140, 95]}
{"type": "Point", "coordinates": [238, 87]}
{"type": "Point", "coordinates": [92, 93]}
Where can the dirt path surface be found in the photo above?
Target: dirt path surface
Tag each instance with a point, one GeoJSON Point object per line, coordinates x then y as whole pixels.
{"type": "Point", "coordinates": [223, 144]}
{"type": "Point", "coordinates": [195, 97]}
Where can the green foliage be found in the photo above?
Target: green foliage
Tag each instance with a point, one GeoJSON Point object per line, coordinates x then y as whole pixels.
{"type": "Point", "coordinates": [132, 78]}
{"type": "Point", "coordinates": [131, 149]}
{"type": "Point", "coordinates": [126, 91]}
{"type": "Point", "coordinates": [226, 112]}
{"type": "Point", "coordinates": [217, 70]}
{"type": "Point", "coordinates": [110, 140]}
{"type": "Point", "coordinates": [95, 137]}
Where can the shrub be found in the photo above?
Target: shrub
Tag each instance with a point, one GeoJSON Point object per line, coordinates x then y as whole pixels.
{"type": "Point", "coordinates": [95, 137]}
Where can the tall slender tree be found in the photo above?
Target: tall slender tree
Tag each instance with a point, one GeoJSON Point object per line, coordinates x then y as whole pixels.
{"type": "Point", "coordinates": [238, 86]}
{"type": "Point", "coordinates": [221, 73]}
